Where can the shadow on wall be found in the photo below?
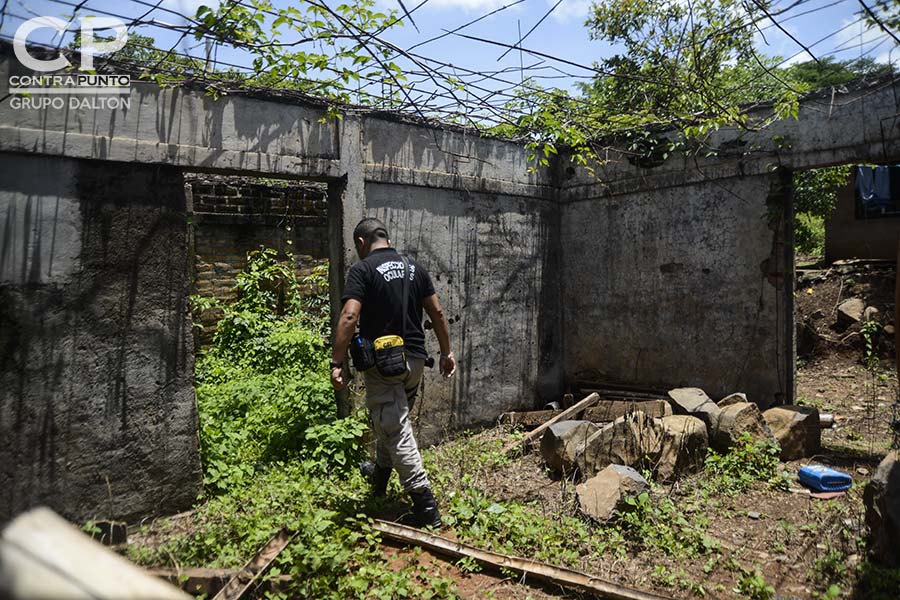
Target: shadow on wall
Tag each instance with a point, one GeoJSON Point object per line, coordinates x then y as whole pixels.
{"type": "Point", "coordinates": [96, 400]}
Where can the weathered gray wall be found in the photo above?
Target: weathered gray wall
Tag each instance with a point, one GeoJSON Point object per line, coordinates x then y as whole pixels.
{"type": "Point", "coordinates": [681, 286]}
{"type": "Point", "coordinates": [491, 258]}
{"type": "Point", "coordinates": [97, 411]}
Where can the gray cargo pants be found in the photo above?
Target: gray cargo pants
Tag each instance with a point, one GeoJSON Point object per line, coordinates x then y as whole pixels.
{"type": "Point", "coordinates": [389, 400]}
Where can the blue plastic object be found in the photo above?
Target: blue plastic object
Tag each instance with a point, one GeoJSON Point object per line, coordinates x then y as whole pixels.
{"type": "Point", "coordinates": [824, 479]}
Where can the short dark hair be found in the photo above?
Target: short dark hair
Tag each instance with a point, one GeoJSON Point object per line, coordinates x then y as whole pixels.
{"type": "Point", "coordinates": [371, 229]}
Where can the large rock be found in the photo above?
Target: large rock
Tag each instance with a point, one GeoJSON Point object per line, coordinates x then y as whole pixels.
{"type": "Point", "coordinates": [882, 500]}
{"type": "Point", "coordinates": [732, 399]}
{"type": "Point", "coordinates": [796, 429]}
{"type": "Point", "coordinates": [563, 441]}
{"type": "Point", "coordinates": [628, 441]}
{"type": "Point", "coordinates": [736, 420]}
{"type": "Point", "coordinates": [682, 448]}
{"type": "Point", "coordinates": [851, 311]}
{"type": "Point", "coordinates": [602, 495]}
{"type": "Point", "coordinates": [695, 402]}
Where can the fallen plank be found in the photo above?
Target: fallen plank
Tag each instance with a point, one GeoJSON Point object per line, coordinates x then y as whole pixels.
{"type": "Point", "coordinates": [569, 412]}
{"type": "Point", "coordinates": [242, 581]}
{"type": "Point", "coordinates": [208, 582]}
{"type": "Point", "coordinates": [567, 578]}
{"type": "Point", "coordinates": [603, 412]}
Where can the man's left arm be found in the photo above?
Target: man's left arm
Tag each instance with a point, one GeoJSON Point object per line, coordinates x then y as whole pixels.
{"type": "Point", "coordinates": [346, 325]}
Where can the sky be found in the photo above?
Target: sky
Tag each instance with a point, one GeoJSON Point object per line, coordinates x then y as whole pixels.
{"type": "Point", "coordinates": [830, 27]}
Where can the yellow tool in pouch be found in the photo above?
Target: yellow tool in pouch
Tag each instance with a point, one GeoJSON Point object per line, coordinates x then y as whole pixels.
{"type": "Point", "coordinates": [390, 356]}
{"type": "Point", "coordinates": [388, 341]}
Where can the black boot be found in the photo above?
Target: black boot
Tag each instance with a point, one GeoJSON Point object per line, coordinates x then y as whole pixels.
{"type": "Point", "coordinates": [424, 511]}
{"type": "Point", "coordinates": [378, 476]}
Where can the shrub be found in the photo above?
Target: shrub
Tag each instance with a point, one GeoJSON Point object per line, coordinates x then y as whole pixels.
{"type": "Point", "coordinates": [263, 391]}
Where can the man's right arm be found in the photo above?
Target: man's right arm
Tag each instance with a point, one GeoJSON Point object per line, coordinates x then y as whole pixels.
{"type": "Point", "coordinates": [442, 330]}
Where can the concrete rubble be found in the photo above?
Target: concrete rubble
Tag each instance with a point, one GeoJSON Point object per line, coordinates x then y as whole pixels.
{"type": "Point", "coordinates": [683, 447]}
{"type": "Point", "coordinates": [734, 421]}
{"type": "Point", "coordinates": [601, 496]}
{"type": "Point", "coordinates": [796, 429]}
{"type": "Point", "coordinates": [695, 402]}
{"type": "Point", "coordinates": [627, 441]}
{"type": "Point", "coordinates": [676, 445]}
{"type": "Point", "coordinates": [732, 399]}
{"type": "Point", "coordinates": [562, 442]}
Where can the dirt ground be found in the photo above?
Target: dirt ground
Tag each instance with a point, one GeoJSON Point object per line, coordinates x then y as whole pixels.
{"type": "Point", "coordinates": [801, 545]}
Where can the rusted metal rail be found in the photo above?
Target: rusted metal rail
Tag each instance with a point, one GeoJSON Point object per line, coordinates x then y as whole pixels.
{"type": "Point", "coordinates": [567, 578]}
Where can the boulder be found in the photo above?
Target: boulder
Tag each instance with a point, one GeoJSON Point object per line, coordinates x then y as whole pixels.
{"type": "Point", "coordinates": [882, 501]}
{"type": "Point", "coordinates": [682, 447]}
{"type": "Point", "coordinates": [626, 441]}
{"type": "Point", "coordinates": [562, 441]}
{"type": "Point", "coordinates": [796, 429]}
{"type": "Point", "coordinates": [851, 311]}
{"type": "Point", "coordinates": [732, 399]}
{"type": "Point", "coordinates": [695, 402]}
{"type": "Point", "coordinates": [603, 494]}
{"type": "Point", "coordinates": [735, 420]}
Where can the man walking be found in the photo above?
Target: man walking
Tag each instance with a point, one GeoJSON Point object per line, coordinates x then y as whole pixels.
{"type": "Point", "coordinates": [373, 296]}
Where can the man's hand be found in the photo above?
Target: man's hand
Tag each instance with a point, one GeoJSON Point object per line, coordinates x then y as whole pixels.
{"type": "Point", "coordinates": [337, 378]}
{"type": "Point", "coordinates": [448, 365]}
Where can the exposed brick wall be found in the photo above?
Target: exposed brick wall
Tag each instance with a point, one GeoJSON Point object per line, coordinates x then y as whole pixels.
{"type": "Point", "coordinates": [234, 215]}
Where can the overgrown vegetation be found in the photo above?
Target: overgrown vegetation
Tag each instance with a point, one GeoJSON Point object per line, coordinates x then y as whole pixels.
{"type": "Point", "coordinates": [747, 462]}
{"type": "Point", "coordinates": [262, 388]}
{"type": "Point", "coordinates": [815, 197]}
{"type": "Point", "coordinates": [275, 454]}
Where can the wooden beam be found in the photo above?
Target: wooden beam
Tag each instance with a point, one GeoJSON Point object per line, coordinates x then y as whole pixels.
{"type": "Point", "coordinates": [525, 441]}
{"type": "Point", "coordinates": [604, 412]}
{"type": "Point", "coordinates": [897, 311]}
{"type": "Point", "coordinates": [206, 581]}
{"type": "Point", "coordinates": [243, 580]}
{"type": "Point", "coordinates": [567, 578]}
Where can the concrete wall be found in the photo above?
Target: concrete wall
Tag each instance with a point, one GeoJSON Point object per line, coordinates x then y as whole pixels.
{"type": "Point", "coordinates": [846, 236]}
{"type": "Point", "coordinates": [677, 273]}
{"type": "Point", "coordinates": [493, 261]}
{"type": "Point", "coordinates": [97, 411]}
{"type": "Point", "coordinates": [681, 286]}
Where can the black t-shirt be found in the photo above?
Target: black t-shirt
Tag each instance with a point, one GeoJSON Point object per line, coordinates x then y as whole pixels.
{"type": "Point", "coordinates": [377, 283]}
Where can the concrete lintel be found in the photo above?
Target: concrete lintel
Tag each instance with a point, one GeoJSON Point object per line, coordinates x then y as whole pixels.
{"type": "Point", "coordinates": [89, 146]}
{"type": "Point", "coordinates": [450, 181]}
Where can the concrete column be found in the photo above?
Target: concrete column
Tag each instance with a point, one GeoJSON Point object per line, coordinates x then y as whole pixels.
{"type": "Point", "coordinates": [346, 206]}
